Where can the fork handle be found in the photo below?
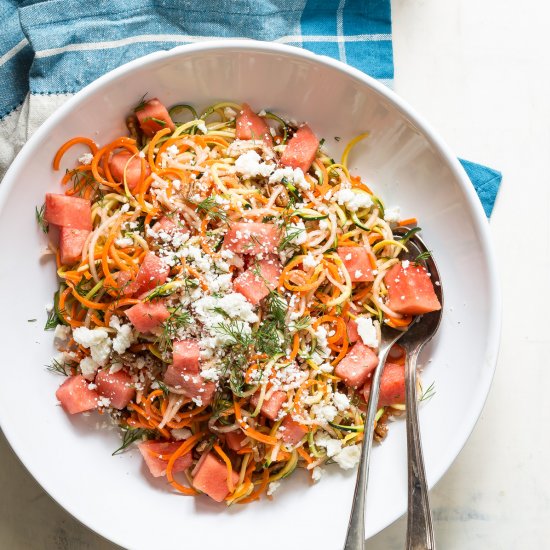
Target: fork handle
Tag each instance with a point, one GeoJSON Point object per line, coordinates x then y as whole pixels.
{"type": "Point", "coordinates": [420, 534]}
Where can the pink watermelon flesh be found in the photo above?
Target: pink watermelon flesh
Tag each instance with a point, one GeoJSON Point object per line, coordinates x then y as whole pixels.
{"type": "Point", "coordinates": [356, 366]}
{"type": "Point", "coordinates": [185, 356]}
{"type": "Point", "coordinates": [66, 211]}
{"type": "Point", "coordinates": [392, 386]}
{"type": "Point", "coordinates": [152, 273]}
{"type": "Point", "coordinates": [256, 282]}
{"type": "Point", "coordinates": [252, 238]}
{"type": "Point", "coordinates": [74, 395]}
{"type": "Point", "coordinates": [147, 316]}
{"type": "Point", "coordinates": [157, 454]}
{"type": "Point", "coordinates": [211, 478]}
{"type": "Point", "coordinates": [356, 260]}
{"type": "Point", "coordinates": [119, 163]}
{"type": "Point", "coordinates": [291, 431]}
{"type": "Point", "coordinates": [116, 386]}
{"type": "Point", "coordinates": [71, 243]}
{"type": "Point", "coordinates": [301, 149]}
{"type": "Point", "coordinates": [150, 110]}
{"type": "Point", "coordinates": [270, 407]}
{"type": "Point", "coordinates": [251, 126]}
{"type": "Point", "coordinates": [410, 291]}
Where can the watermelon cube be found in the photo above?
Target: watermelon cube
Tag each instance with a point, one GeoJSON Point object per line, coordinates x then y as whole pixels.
{"type": "Point", "coordinates": [249, 125]}
{"type": "Point", "coordinates": [211, 478]}
{"type": "Point", "coordinates": [147, 316]}
{"type": "Point", "coordinates": [410, 290]}
{"type": "Point", "coordinates": [292, 432]}
{"type": "Point", "coordinates": [71, 243]}
{"type": "Point", "coordinates": [153, 117]}
{"type": "Point", "coordinates": [193, 386]}
{"type": "Point", "coordinates": [235, 440]}
{"type": "Point", "coordinates": [301, 149]}
{"type": "Point", "coordinates": [356, 260]}
{"type": "Point", "coordinates": [392, 386]}
{"type": "Point", "coordinates": [270, 407]}
{"type": "Point", "coordinates": [252, 238]}
{"type": "Point", "coordinates": [185, 356]}
{"type": "Point", "coordinates": [356, 366]}
{"type": "Point", "coordinates": [116, 386]}
{"type": "Point", "coordinates": [75, 396]}
{"type": "Point", "coordinates": [156, 455]}
{"type": "Point", "coordinates": [256, 282]}
{"type": "Point", "coordinates": [126, 162]}
{"type": "Point", "coordinates": [152, 273]}
{"type": "Point", "coordinates": [67, 211]}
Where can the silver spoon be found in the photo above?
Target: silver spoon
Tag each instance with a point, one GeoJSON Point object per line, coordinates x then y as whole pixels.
{"type": "Point", "coordinates": [419, 522]}
{"type": "Point", "coordinates": [420, 534]}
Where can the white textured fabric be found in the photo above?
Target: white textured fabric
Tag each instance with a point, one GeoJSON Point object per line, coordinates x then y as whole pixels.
{"type": "Point", "coordinates": [20, 124]}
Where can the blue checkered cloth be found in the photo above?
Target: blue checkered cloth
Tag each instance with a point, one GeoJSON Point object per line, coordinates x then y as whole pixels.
{"type": "Point", "coordinates": [58, 46]}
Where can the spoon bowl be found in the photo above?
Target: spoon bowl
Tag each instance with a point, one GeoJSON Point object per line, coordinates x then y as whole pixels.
{"type": "Point", "coordinates": [412, 338]}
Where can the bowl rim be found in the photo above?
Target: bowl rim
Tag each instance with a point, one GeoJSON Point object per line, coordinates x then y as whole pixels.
{"type": "Point", "coordinates": [479, 220]}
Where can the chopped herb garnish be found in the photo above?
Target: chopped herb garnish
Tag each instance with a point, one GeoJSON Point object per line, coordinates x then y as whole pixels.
{"type": "Point", "coordinates": [56, 315]}
{"type": "Point", "coordinates": [142, 102]}
{"type": "Point", "coordinates": [423, 256]}
{"type": "Point", "coordinates": [427, 394]}
{"type": "Point", "coordinates": [58, 367]}
{"type": "Point", "coordinates": [130, 436]}
{"type": "Point", "coordinates": [211, 207]}
{"type": "Point", "coordinates": [292, 232]}
{"type": "Point", "coordinates": [179, 319]}
{"type": "Point", "coordinates": [39, 212]}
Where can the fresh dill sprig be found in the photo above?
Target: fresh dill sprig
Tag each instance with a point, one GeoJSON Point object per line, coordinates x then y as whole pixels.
{"type": "Point", "coordinates": [220, 403]}
{"type": "Point", "coordinates": [269, 339]}
{"type": "Point", "coordinates": [179, 318]}
{"type": "Point", "coordinates": [236, 332]}
{"type": "Point", "coordinates": [211, 207]}
{"type": "Point", "coordinates": [130, 436]}
{"type": "Point", "coordinates": [52, 321]}
{"type": "Point", "coordinates": [58, 367]}
{"type": "Point", "coordinates": [54, 316]}
{"type": "Point", "coordinates": [300, 324]}
{"type": "Point", "coordinates": [221, 312]}
{"type": "Point", "coordinates": [276, 306]}
{"type": "Point", "coordinates": [428, 393]}
{"type": "Point", "coordinates": [291, 234]}
{"type": "Point", "coordinates": [141, 104]}
{"type": "Point", "coordinates": [39, 213]}
{"type": "Point", "coordinates": [423, 256]}
{"type": "Point", "coordinates": [162, 386]}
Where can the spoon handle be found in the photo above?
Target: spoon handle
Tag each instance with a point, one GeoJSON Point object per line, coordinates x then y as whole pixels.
{"type": "Point", "coordinates": [420, 535]}
{"type": "Point", "coordinates": [355, 537]}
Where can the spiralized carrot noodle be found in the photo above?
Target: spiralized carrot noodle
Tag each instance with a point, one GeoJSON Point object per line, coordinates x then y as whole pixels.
{"type": "Point", "coordinates": [216, 303]}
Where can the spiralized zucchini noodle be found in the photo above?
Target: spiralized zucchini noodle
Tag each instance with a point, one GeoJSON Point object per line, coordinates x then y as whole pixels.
{"type": "Point", "coordinates": [223, 286]}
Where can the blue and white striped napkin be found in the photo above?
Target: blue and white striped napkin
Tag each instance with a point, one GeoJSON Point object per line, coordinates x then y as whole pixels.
{"type": "Point", "coordinates": [51, 49]}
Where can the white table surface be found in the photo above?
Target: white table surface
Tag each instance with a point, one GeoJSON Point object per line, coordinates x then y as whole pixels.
{"type": "Point", "coordinates": [478, 70]}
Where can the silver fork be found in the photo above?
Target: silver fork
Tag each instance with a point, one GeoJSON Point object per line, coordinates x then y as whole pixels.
{"type": "Point", "coordinates": [420, 534]}
{"type": "Point", "coordinates": [419, 521]}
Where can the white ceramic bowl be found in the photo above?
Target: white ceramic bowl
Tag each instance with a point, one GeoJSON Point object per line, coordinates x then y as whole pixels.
{"type": "Point", "coordinates": [403, 159]}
